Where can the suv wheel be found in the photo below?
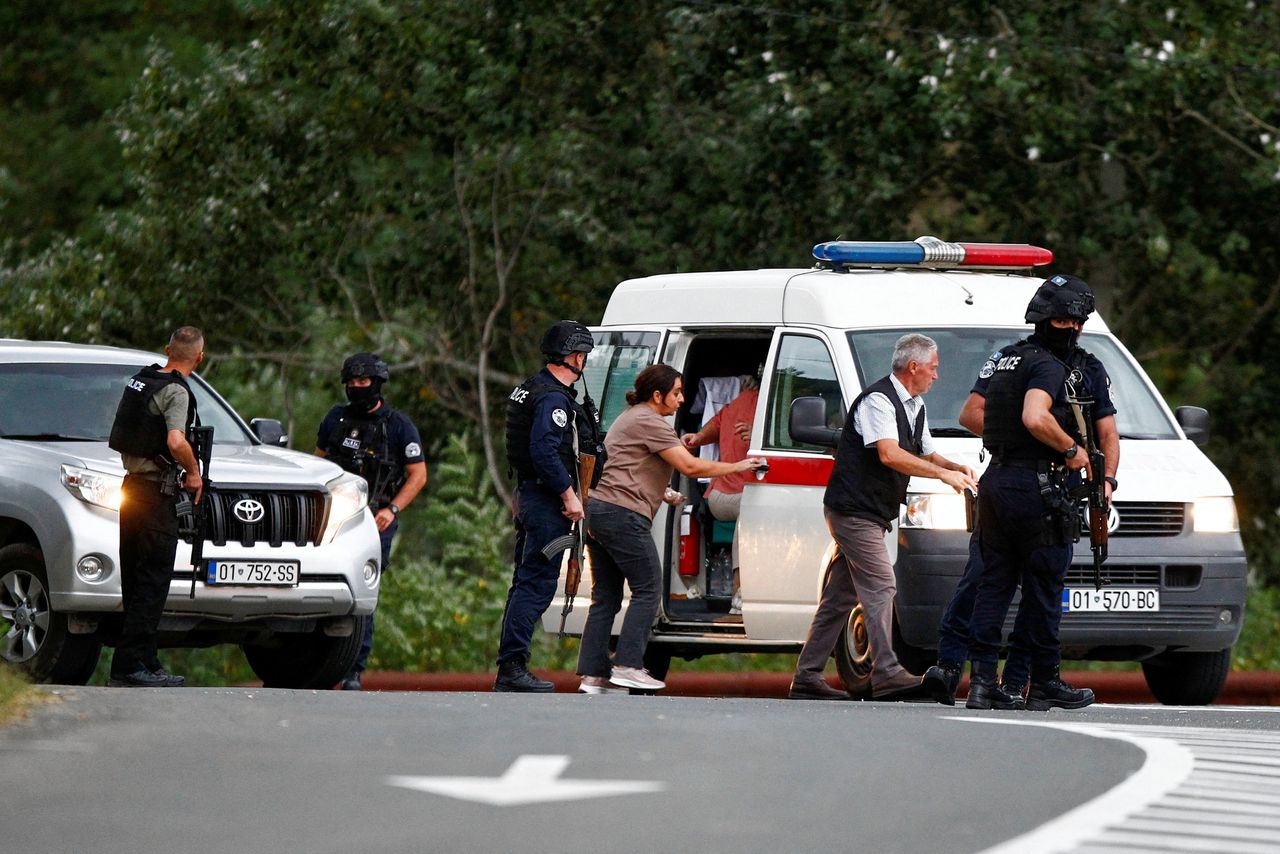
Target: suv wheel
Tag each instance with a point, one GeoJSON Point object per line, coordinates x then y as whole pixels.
{"type": "Point", "coordinates": [311, 660]}
{"type": "Point", "coordinates": [36, 638]}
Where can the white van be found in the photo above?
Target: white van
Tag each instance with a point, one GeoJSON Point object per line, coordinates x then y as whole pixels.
{"type": "Point", "coordinates": [1177, 566]}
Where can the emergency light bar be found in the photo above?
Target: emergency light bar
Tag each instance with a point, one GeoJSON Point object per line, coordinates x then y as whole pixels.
{"type": "Point", "coordinates": [930, 252]}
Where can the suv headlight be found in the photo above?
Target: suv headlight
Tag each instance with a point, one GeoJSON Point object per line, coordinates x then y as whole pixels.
{"type": "Point", "coordinates": [940, 511]}
{"type": "Point", "coordinates": [1215, 515]}
{"type": "Point", "coordinates": [94, 487]}
{"type": "Point", "coordinates": [348, 496]}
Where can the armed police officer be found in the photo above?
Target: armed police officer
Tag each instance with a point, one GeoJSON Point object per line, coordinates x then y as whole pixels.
{"type": "Point", "coordinates": [546, 431]}
{"type": "Point", "coordinates": [369, 438]}
{"type": "Point", "coordinates": [156, 412]}
{"type": "Point", "coordinates": [1029, 511]}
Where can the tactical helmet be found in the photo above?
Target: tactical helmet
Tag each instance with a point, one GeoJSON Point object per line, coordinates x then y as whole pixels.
{"type": "Point", "coordinates": [1061, 297]}
{"type": "Point", "coordinates": [365, 365]}
{"type": "Point", "coordinates": [567, 336]}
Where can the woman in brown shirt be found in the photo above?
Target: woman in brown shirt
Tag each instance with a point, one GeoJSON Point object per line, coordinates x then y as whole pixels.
{"type": "Point", "coordinates": [643, 449]}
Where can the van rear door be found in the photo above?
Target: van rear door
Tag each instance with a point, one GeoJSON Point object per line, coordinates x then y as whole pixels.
{"type": "Point", "coordinates": [783, 538]}
{"type": "Point", "coordinates": [610, 373]}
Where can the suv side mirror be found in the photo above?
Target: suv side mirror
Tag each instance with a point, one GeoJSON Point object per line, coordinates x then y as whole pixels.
{"type": "Point", "coordinates": [1194, 422]}
{"type": "Point", "coordinates": [808, 423]}
{"type": "Point", "coordinates": [269, 431]}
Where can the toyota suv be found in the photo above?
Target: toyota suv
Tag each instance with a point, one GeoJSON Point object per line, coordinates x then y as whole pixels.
{"type": "Point", "coordinates": [291, 561]}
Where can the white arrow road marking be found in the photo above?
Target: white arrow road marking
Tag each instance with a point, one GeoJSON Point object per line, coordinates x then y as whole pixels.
{"type": "Point", "coordinates": [1166, 766]}
{"type": "Point", "coordinates": [529, 780]}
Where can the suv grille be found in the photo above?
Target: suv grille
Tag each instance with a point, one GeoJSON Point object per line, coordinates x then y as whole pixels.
{"type": "Point", "coordinates": [287, 517]}
{"type": "Point", "coordinates": [1144, 519]}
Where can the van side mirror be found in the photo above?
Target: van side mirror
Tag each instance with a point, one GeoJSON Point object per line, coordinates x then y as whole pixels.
{"type": "Point", "coordinates": [807, 423]}
{"type": "Point", "coordinates": [1194, 422]}
{"type": "Point", "coordinates": [269, 431]}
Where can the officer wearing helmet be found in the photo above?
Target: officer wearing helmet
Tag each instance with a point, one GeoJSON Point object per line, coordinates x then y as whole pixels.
{"type": "Point", "coordinates": [547, 428]}
{"type": "Point", "coordinates": [380, 444]}
{"type": "Point", "coordinates": [1028, 519]}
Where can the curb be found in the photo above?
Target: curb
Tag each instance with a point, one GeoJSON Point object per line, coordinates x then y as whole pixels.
{"type": "Point", "coordinates": [1242, 689]}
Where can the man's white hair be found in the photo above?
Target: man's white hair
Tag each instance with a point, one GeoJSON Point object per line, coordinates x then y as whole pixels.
{"type": "Point", "coordinates": [912, 347]}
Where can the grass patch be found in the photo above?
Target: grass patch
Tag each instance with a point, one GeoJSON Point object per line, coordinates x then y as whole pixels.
{"type": "Point", "coordinates": [16, 694]}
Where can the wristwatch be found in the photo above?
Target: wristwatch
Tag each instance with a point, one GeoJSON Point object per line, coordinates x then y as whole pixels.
{"type": "Point", "coordinates": [1115, 484]}
{"type": "Point", "coordinates": [1070, 452]}
{"type": "Point", "coordinates": [395, 511]}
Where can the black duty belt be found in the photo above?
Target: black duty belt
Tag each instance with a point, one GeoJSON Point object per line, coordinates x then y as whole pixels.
{"type": "Point", "coordinates": [1023, 463]}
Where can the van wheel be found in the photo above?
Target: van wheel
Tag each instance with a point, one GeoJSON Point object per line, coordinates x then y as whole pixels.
{"type": "Point", "coordinates": [36, 638]}
{"type": "Point", "coordinates": [913, 658]}
{"type": "Point", "coordinates": [657, 661]}
{"type": "Point", "coordinates": [853, 654]}
{"type": "Point", "coordinates": [311, 660]}
{"type": "Point", "coordinates": [1187, 678]}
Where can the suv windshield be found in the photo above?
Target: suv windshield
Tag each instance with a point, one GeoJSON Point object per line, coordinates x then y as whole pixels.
{"type": "Point", "coordinates": [77, 402]}
{"type": "Point", "coordinates": [961, 352]}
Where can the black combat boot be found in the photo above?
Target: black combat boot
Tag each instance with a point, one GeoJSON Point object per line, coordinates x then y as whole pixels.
{"type": "Point", "coordinates": [515, 676]}
{"type": "Point", "coordinates": [941, 681]}
{"type": "Point", "coordinates": [985, 692]}
{"type": "Point", "coordinates": [1053, 693]}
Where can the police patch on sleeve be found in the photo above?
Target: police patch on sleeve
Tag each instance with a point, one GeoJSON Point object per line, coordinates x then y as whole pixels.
{"type": "Point", "coordinates": [413, 449]}
{"type": "Point", "coordinates": [560, 417]}
{"type": "Point", "coordinates": [988, 368]}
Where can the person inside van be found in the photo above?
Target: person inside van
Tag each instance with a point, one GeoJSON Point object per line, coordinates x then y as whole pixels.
{"type": "Point", "coordinates": [884, 442]}
{"type": "Point", "coordinates": [731, 428]}
{"type": "Point", "coordinates": [642, 450]}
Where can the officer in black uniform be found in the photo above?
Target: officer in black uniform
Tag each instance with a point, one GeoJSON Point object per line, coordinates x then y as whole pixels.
{"type": "Point", "coordinates": [380, 444]}
{"type": "Point", "coordinates": [156, 412]}
{"type": "Point", "coordinates": [1029, 520]}
{"type": "Point", "coordinates": [546, 430]}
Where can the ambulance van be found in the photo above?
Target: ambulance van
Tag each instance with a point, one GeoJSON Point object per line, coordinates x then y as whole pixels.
{"type": "Point", "coordinates": [1175, 579]}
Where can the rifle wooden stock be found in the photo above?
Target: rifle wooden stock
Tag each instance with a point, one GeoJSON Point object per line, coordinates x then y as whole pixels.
{"type": "Point", "coordinates": [586, 471]}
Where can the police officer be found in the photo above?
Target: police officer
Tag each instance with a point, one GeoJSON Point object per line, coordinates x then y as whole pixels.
{"type": "Point", "coordinates": [380, 444]}
{"type": "Point", "coordinates": [546, 430]}
{"type": "Point", "coordinates": [1029, 519]}
{"type": "Point", "coordinates": [156, 412]}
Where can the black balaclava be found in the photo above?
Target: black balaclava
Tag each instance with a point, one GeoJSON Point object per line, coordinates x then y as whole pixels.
{"type": "Point", "coordinates": [365, 398]}
{"type": "Point", "coordinates": [1059, 341]}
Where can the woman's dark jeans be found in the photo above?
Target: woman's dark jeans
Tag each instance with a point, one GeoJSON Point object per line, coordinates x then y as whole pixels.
{"type": "Point", "coordinates": [620, 543]}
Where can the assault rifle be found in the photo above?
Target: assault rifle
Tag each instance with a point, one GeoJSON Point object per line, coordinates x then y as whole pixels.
{"type": "Point", "coordinates": [1096, 486]}
{"type": "Point", "coordinates": [193, 516]}
{"type": "Point", "coordinates": [574, 540]}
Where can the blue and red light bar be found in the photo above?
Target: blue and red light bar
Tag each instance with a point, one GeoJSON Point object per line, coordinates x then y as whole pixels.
{"type": "Point", "coordinates": [931, 252]}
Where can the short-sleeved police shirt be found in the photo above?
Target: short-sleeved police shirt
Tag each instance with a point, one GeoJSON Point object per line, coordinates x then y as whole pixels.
{"type": "Point", "coordinates": [403, 438]}
{"type": "Point", "coordinates": [1097, 381]}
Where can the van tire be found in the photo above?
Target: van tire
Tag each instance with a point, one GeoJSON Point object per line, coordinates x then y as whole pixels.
{"type": "Point", "coordinates": [853, 654]}
{"type": "Point", "coordinates": [310, 660]}
{"type": "Point", "coordinates": [913, 658]}
{"type": "Point", "coordinates": [657, 661]}
{"type": "Point", "coordinates": [44, 647]}
{"type": "Point", "coordinates": [1187, 678]}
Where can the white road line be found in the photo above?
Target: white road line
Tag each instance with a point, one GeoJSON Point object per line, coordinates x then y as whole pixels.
{"type": "Point", "coordinates": [1166, 765]}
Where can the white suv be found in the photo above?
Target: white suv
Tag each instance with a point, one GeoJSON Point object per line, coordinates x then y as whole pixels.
{"type": "Point", "coordinates": [299, 515]}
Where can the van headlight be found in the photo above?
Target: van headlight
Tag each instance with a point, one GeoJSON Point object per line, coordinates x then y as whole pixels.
{"type": "Point", "coordinates": [1215, 515]}
{"type": "Point", "coordinates": [94, 487]}
{"type": "Point", "coordinates": [348, 496]}
{"type": "Point", "coordinates": [939, 511]}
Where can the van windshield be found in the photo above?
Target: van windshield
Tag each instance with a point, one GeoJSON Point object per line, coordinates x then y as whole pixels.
{"type": "Point", "coordinates": [77, 403]}
{"type": "Point", "coordinates": [961, 352]}
{"type": "Point", "coordinates": [612, 367]}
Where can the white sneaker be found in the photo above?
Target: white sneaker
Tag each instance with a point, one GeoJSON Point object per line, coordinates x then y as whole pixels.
{"type": "Point", "coordinates": [598, 685]}
{"type": "Point", "coordinates": [735, 606]}
{"type": "Point", "coordinates": [635, 677]}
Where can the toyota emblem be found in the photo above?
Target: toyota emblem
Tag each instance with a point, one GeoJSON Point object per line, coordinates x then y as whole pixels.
{"type": "Point", "coordinates": [247, 510]}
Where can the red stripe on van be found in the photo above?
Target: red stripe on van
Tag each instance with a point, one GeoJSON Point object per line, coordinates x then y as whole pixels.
{"type": "Point", "coordinates": [799, 471]}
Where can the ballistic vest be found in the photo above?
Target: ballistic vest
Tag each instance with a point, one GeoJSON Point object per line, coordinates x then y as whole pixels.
{"type": "Point", "coordinates": [1003, 432]}
{"type": "Point", "coordinates": [136, 429]}
{"type": "Point", "coordinates": [521, 407]}
{"type": "Point", "coordinates": [860, 484]}
{"type": "Point", "coordinates": [359, 444]}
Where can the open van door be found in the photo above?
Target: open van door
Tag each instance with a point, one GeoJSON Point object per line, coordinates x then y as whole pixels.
{"type": "Point", "coordinates": [783, 540]}
{"type": "Point", "coordinates": [610, 373]}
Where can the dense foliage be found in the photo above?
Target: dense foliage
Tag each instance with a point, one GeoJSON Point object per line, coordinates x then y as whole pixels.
{"type": "Point", "coordinates": [436, 180]}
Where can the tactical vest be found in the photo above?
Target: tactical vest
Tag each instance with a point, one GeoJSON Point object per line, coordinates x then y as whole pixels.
{"type": "Point", "coordinates": [521, 406]}
{"type": "Point", "coordinates": [361, 446]}
{"type": "Point", "coordinates": [1003, 432]}
{"type": "Point", "coordinates": [860, 484]}
{"type": "Point", "coordinates": [136, 429]}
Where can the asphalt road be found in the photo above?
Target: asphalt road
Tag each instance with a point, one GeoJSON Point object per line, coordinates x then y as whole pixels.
{"type": "Point", "coordinates": [248, 770]}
